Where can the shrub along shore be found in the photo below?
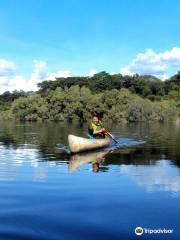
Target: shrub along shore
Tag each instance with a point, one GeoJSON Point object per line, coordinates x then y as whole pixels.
{"type": "Point", "coordinates": [115, 98]}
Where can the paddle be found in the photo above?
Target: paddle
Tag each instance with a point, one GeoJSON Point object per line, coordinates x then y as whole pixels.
{"type": "Point", "coordinates": [110, 135]}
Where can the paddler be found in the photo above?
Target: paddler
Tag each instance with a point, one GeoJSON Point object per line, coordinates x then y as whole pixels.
{"type": "Point", "coordinates": [95, 129]}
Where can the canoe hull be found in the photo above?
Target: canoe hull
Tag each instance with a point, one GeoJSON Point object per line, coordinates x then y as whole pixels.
{"type": "Point", "coordinates": [79, 144]}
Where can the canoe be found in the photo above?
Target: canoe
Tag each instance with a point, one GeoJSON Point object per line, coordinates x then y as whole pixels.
{"type": "Point", "coordinates": [79, 159]}
{"type": "Point", "coordinates": [79, 144]}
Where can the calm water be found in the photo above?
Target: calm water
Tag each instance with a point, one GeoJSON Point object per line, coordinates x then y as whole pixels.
{"type": "Point", "coordinates": [47, 194]}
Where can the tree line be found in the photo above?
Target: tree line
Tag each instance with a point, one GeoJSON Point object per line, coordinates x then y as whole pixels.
{"type": "Point", "coordinates": [114, 97]}
{"type": "Point", "coordinates": [145, 85]}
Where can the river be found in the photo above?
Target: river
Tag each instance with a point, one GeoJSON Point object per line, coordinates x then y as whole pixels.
{"type": "Point", "coordinates": [48, 194]}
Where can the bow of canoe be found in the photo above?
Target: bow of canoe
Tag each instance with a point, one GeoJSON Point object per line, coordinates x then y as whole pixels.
{"type": "Point", "coordinates": [79, 144]}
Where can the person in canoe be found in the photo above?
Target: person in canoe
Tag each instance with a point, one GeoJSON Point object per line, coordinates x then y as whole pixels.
{"type": "Point", "coordinates": [95, 129]}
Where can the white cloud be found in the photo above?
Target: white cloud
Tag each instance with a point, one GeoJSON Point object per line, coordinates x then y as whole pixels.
{"type": "Point", "coordinates": [59, 74]}
{"type": "Point", "coordinates": [17, 82]}
{"type": "Point", "coordinates": [3, 80]}
{"type": "Point", "coordinates": [153, 63]}
{"type": "Point", "coordinates": [7, 67]}
{"type": "Point", "coordinates": [40, 71]}
{"type": "Point", "coordinates": [125, 71]}
{"type": "Point", "coordinates": [91, 73]}
{"type": "Point", "coordinates": [112, 73]}
{"type": "Point", "coordinates": [159, 177]}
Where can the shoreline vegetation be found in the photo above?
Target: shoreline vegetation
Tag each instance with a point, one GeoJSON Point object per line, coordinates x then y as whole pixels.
{"type": "Point", "coordinates": [115, 98]}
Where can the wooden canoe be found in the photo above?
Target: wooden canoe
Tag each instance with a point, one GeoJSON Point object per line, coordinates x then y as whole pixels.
{"type": "Point", "coordinates": [79, 144]}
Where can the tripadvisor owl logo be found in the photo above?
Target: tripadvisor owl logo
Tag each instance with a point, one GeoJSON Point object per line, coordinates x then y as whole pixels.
{"type": "Point", "coordinates": [139, 231]}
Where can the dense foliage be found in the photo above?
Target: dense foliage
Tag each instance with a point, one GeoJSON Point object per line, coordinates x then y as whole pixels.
{"type": "Point", "coordinates": [146, 86]}
{"type": "Point", "coordinates": [114, 97]}
{"type": "Point", "coordinates": [7, 98]}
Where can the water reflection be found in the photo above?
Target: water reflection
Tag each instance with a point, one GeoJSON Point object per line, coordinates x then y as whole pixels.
{"type": "Point", "coordinates": [48, 192]}
{"type": "Point", "coordinates": [15, 163]}
{"type": "Point", "coordinates": [162, 140]}
{"type": "Point", "coordinates": [162, 176]}
{"type": "Point", "coordinates": [94, 158]}
{"type": "Point", "coordinates": [33, 147]}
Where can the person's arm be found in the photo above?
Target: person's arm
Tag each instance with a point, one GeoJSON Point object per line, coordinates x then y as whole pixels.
{"type": "Point", "coordinates": [102, 130]}
{"type": "Point", "coordinates": [92, 132]}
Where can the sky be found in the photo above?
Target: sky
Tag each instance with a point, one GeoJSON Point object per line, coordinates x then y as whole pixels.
{"type": "Point", "coordinates": [43, 39]}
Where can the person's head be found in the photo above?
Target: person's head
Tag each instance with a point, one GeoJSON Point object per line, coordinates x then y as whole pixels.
{"type": "Point", "coordinates": [95, 167]}
{"type": "Point", "coordinates": [95, 119]}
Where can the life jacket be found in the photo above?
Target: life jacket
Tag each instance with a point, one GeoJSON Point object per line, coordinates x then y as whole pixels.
{"type": "Point", "coordinates": [95, 128]}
